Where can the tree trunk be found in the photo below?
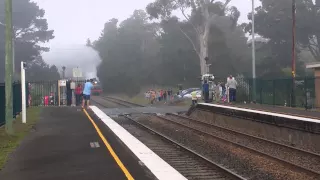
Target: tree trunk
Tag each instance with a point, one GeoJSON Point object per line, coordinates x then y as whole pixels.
{"type": "Point", "coordinates": [203, 54]}
{"type": "Point", "coordinates": [204, 51]}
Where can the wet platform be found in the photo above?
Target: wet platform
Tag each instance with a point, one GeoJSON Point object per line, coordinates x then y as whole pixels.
{"type": "Point", "coordinates": [290, 119]}
{"type": "Point", "coordinates": [144, 110]}
{"type": "Point", "coordinates": [300, 112]}
{"type": "Point", "coordinates": [65, 145]}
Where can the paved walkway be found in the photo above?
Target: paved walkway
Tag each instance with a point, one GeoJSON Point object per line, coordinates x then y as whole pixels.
{"type": "Point", "coordinates": [59, 149]}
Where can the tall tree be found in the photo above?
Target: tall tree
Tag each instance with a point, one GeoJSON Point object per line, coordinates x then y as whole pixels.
{"type": "Point", "coordinates": [30, 29]}
{"type": "Point", "coordinates": [204, 14]}
{"type": "Point", "coordinates": [88, 43]}
{"type": "Point", "coordinates": [273, 21]}
{"type": "Point", "coordinates": [127, 53]}
{"type": "Point", "coordinates": [39, 71]}
{"type": "Point", "coordinates": [137, 53]}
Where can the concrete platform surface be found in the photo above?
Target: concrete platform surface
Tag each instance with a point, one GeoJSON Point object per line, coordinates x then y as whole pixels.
{"type": "Point", "coordinates": [66, 146]}
{"type": "Point", "coordinates": [282, 110]}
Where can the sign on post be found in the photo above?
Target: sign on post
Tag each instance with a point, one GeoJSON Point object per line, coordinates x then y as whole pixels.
{"type": "Point", "coordinates": [63, 83]}
{"type": "Point", "coordinates": [77, 73]}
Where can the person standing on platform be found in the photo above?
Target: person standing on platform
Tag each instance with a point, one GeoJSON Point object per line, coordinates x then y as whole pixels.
{"type": "Point", "coordinates": [78, 92]}
{"type": "Point", "coordinates": [205, 90]}
{"type": "Point", "coordinates": [87, 93]}
{"type": "Point", "coordinates": [153, 96]}
{"type": "Point", "coordinates": [69, 93]}
{"type": "Point", "coordinates": [232, 85]}
{"type": "Point", "coordinates": [165, 96]}
{"type": "Point", "coordinates": [194, 98]}
{"type": "Point", "coordinates": [224, 94]}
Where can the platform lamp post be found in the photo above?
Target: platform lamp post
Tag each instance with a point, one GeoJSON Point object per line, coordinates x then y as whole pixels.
{"type": "Point", "coordinates": [293, 99]}
{"type": "Point", "coordinates": [253, 57]}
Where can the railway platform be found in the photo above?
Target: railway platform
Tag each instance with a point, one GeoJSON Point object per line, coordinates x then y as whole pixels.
{"type": "Point", "coordinates": [300, 112]}
{"type": "Point", "coordinates": [68, 143]}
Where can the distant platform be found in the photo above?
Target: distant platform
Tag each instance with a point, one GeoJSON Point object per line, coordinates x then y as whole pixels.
{"type": "Point", "coordinates": [270, 116]}
{"type": "Point", "coordinates": [144, 110]}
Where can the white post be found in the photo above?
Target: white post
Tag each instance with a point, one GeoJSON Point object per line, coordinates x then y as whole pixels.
{"type": "Point", "coordinates": [13, 57]}
{"type": "Point", "coordinates": [73, 87]}
{"type": "Point", "coordinates": [23, 93]}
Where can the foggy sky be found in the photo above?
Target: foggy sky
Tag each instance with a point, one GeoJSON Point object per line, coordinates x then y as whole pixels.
{"type": "Point", "coordinates": [73, 21]}
{"type": "Point", "coordinates": [76, 20]}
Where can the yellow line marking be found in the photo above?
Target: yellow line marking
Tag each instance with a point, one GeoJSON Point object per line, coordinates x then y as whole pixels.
{"type": "Point", "coordinates": [113, 154]}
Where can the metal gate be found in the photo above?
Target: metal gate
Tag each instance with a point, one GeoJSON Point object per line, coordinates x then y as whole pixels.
{"type": "Point", "coordinates": [42, 93]}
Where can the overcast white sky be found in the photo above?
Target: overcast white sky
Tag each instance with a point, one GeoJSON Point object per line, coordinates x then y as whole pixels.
{"type": "Point", "coordinates": [76, 20]}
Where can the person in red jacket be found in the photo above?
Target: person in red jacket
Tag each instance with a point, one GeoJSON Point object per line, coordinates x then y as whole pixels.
{"type": "Point", "coordinates": [78, 93]}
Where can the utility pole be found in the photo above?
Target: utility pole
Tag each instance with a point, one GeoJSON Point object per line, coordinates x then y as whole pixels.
{"type": "Point", "coordinates": [293, 99]}
{"type": "Point", "coordinates": [8, 67]}
{"type": "Point", "coordinates": [253, 57]}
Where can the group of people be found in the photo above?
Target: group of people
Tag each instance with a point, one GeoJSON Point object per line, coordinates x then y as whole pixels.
{"type": "Point", "coordinates": [222, 91]}
{"type": "Point", "coordinates": [83, 94]}
{"type": "Point", "coordinates": [158, 96]}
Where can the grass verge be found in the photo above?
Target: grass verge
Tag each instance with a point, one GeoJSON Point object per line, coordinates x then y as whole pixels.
{"type": "Point", "coordinates": [8, 143]}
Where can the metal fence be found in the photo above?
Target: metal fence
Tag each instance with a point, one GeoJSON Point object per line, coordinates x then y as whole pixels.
{"type": "Point", "coordinates": [16, 101]}
{"type": "Point", "coordinates": [2, 104]}
{"type": "Point", "coordinates": [46, 93]}
{"type": "Point", "coordinates": [39, 93]}
{"type": "Point", "coordinates": [282, 92]}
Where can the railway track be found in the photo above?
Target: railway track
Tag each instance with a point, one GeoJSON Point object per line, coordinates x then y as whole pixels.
{"type": "Point", "coordinates": [121, 102]}
{"type": "Point", "coordinates": [188, 162]}
{"type": "Point", "coordinates": [297, 159]}
{"type": "Point", "coordinates": [296, 156]}
{"type": "Point", "coordinates": [302, 160]}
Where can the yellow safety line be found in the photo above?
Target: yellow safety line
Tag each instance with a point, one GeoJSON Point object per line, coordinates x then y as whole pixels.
{"type": "Point", "coordinates": [113, 154]}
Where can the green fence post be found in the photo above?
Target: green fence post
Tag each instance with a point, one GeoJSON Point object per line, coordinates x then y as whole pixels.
{"type": "Point", "coordinates": [261, 95]}
{"type": "Point", "coordinates": [274, 91]}
{"type": "Point", "coordinates": [305, 93]}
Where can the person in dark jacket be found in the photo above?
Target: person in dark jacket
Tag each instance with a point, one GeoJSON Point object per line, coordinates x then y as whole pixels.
{"type": "Point", "coordinates": [69, 93]}
{"type": "Point", "coordinates": [205, 90]}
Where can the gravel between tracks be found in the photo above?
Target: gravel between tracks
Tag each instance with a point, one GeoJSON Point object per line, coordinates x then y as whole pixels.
{"type": "Point", "coordinates": [103, 103]}
{"type": "Point", "coordinates": [279, 134]}
{"type": "Point", "coordinates": [245, 162]}
{"type": "Point", "coordinates": [304, 159]}
{"type": "Point", "coordinates": [189, 165]}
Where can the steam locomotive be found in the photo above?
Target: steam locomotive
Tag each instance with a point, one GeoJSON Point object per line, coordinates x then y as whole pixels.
{"type": "Point", "coordinates": [97, 89]}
